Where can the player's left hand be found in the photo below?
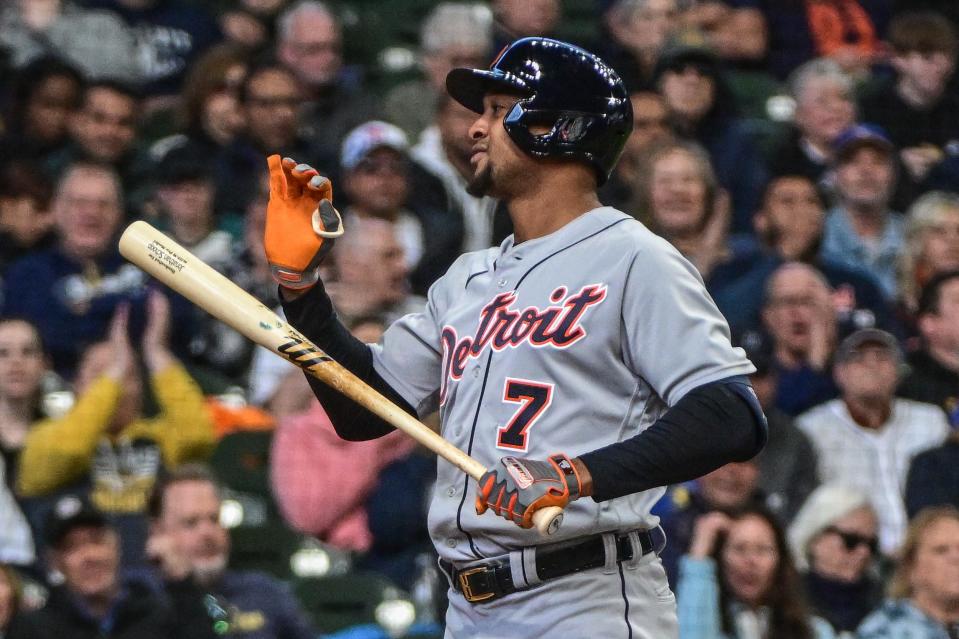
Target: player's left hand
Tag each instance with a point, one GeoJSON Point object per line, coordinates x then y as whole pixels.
{"type": "Point", "coordinates": [517, 487]}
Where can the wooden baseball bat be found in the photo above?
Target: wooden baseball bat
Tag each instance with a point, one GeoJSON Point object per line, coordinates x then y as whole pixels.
{"type": "Point", "coordinates": [197, 281]}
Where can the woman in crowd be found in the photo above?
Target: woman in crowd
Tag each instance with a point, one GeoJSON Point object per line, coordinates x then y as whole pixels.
{"type": "Point", "coordinates": [924, 591]}
{"type": "Point", "coordinates": [834, 542]}
{"type": "Point", "coordinates": [739, 582]}
{"type": "Point", "coordinates": [932, 245]}
{"type": "Point", "coordinates": [682, 201]}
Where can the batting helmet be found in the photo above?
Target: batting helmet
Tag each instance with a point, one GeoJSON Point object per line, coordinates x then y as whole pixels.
{"type": "Point", "coordinates": [566, 88]}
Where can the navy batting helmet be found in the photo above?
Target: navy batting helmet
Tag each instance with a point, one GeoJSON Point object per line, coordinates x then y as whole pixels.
{"type": "Point", "coordinates": [569, 90]}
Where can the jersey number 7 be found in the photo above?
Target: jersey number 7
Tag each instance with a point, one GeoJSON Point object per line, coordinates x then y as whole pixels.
{"type": "Point", "coordinates": [533, 398]}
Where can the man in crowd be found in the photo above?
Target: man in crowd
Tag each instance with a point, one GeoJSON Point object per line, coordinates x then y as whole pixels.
{"type": "Point", "coordinates": [310, 45]}
{"type": "Point", "coordinates": [799, 316]}
{"type": "Point", "coordinates": [93, 601]}
{"type": "Point", "coordinates": [862, 231]}
{"type": "Point", "coordinates": [867, 437]}
{"type": "Point", "coordinates": [189, 543]}
{"type": "Point", "coordinates": [377, 179]}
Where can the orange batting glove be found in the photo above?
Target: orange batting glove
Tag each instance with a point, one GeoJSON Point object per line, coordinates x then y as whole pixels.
{"type": "Point", "coordinates": [301, 222]}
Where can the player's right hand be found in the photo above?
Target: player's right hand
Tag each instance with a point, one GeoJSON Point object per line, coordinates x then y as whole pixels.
{"type": "Point", "coordinates": [301, 222]}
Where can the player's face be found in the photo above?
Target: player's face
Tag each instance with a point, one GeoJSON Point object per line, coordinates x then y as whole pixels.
{"type": "Point", "coordinates": [831, 556]}
{"type": "Point", "coordinates": [191, 517]}
{"type": "Point", "coordinates": [496, 161]}
{"type": "Point", "coordinates": [792, 217]}
{"type": "Point", "coordinates": [935, 572]}
{"type": "Point", "coordinates": [749, 558]}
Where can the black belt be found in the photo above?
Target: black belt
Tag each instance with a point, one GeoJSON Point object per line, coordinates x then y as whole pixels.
{"type": "Point", "coordinates": [494, 579]}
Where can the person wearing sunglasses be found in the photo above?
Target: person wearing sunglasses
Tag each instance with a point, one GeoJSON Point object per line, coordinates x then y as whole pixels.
{"type": "Point", "coordinates": [834, 539]}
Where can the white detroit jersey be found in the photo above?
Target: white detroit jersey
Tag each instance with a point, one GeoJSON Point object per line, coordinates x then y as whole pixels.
{"type": "Point", "coordinates": [564, 343]}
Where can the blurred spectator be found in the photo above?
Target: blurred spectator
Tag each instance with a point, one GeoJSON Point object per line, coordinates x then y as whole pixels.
{"type": "Point", "coordinates": [302, 486]}
{"type": "Point", "coordinates": [684, 204]}
{"type": "Point", "coordinates": [219, 355]}
{"type": "Point", "coordinates": [933, 375]}
{"type": "Point", "coordinates": [92, 600]}
{"type": "Point", "coordinates": [738, 581]}
{"type": "Point", "coordinates": [104, 131]}
{"type": "Point", "coordinates": [728, 489]}
{"type": "Point", "coordinates": [861, 230]}
{"type": "Point", "coordinates": [787, 465]}
{"type": "Point", "coordinates": [309, 44]}
{"type": "Point", "coordinates": [637, 31]}
{"type": "Point", "coordinates": [369, 273]}
{"type": "Point", "coordinates": [97, 42]}
{"type": "Point", "coordinates": [10, 597]}
{"type": "Point", "coordinates": [376, 178]}
{"type": "Point", "coordinates": [249, 23]}
{"type": "Point", "coordinates": [789, 227]}
{"type": "Point", "coordinates": [868, 437]}
{"type": "Point", "coordinates": [169, 34]}
{"type": "Point", "coordinates": [271, 97]}
{"type": "Point", "coordinates": [834, 541]}
{"type": "Point", "coordinates": [650, 130]}
{"type": "Point", "coordinates": [23, 365]}
{"type": "Point", "coordinates": [848, 31]}
{"type": "Point", "coordinates": [45, 94]}
{"type": "Point", "coordinates": [924, 591]}
{"type": "Point", "coordinates": [454, 34]}
{"type": "Point", "coordinates": [444, 150]}
{"type": "Point", "coordinates": [26, 219]}
{"type": "Point", "coordinates": [70, 291]}
{"type": "Point", "coordinates": [188, 541]}
{"type": "Point", "coordinates": [702, 108]}
{"type": "Point", "coordinates": [799, 315]}
{"type": "Point", "coordinates": [106, 442]}
{"type": "Point", "coordinates": [825, 107]}
{"type": "Point", "coordinates": [931, 245]}
{"type": "Point", "coordinates": [514, 19]}
{"type": "Point", "coordinates": [917, 108]}
{"type": "Point", "coordinates": [210, 114]}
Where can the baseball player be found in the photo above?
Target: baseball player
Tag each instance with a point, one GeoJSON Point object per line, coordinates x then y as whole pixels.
{"type": "Point", "coordinates": [581, 361]}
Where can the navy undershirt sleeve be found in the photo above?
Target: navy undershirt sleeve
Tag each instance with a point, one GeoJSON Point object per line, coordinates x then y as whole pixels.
{"type": "Point", "coordinates": [313, 315]}
{"type": "Point", "coordinates": [710, 426]}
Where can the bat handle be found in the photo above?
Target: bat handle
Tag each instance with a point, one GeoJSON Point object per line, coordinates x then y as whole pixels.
{"type": "Point", "coordinates": [547, 520]}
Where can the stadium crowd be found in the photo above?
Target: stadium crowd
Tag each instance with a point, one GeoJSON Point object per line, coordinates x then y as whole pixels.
{"type": "Point", "coordinates": [163, 477]}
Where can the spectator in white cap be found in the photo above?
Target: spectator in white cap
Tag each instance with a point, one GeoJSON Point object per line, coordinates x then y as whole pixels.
{"type": "Point", "coordinates": [377, 172]}
{"type": "Point", "coordinates": [834, 541]}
